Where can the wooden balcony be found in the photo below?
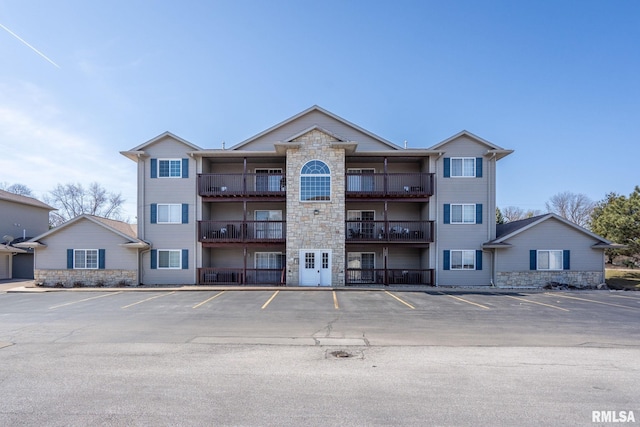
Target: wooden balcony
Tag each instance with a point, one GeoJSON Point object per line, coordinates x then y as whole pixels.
{"type": "Point", "coordinates": [389, 276]}
{"type": "Point", "coordinates": [390, 231]}
{"type": "Point", "coordinates": [241, 276]}
{"type": "Point", "coordinates": [248, 185]}
{"type": "Point", "coordinates": [389, 185]}
{"type": "Point", "coordinates": [241, 231]}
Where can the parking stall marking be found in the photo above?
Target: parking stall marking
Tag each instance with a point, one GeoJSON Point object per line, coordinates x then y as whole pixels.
{"type": "Point", "coordinates": [82, 300]}
{"type": "Point", "coordinates": [591, 300]}
{"type": "Point", "coordinates": [624, 296]}
{"type": "Point", "coordinates": [464, 300]}
{"type": "Point", "coordinates": [400, 300]}
{"type": "Point", "coordinates": [148, 299]}
{"type": "Point", "coordinates": [335, 301]}
{"type": "Point", "coordinates": [209, 299]}
{"type": "Point", "coordinates": [536, 302]}
{"type": "Point", "coordinates": [270, 299]}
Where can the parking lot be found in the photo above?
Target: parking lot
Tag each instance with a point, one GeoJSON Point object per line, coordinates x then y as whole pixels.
{"type": "Point", "coordinates": [317, 357]}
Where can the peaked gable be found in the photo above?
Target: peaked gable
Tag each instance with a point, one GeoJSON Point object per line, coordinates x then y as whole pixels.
{"type": "Point", "coordinates": [319, 119]}
{"type": "Point", "coordinates": [491, 148]}
{"type": "Point", "coordinates": [24, 200]}
{"type": "Point", "coordinates": [139, 150]}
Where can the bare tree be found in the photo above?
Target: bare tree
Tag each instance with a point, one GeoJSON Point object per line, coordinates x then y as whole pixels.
{"type": "Point", "coordinates": [576, 208]}
{"type": "Point", "coordinates": [20, 189]}
{"type": "Point", "coordinates": [72, 200]}
{"type": "Point", "coordinates": [514, 213]}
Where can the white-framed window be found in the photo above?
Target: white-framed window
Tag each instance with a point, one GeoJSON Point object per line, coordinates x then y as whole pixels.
{"type": "Point", "coordinates": [169, 213]}
{"type": "Point", "coordinates": [463, 167]}
{"type": "Point", "coordinates": [360, 179]}
{"type": "Point", "coordinates": [463, 213]}
{"type": "Point", "coordinates": [463, 260]}
{"type": "Point", "coordinates": [86, 259]}
{"type": "Point", "coordinates": [550, 259]}
{"type": "Point", "coordinates": [170, 258]}
{"type": "Point", "coordinates": [315, 182]}
{"type": "Point", "coordinates": [272, 260]}
{"type": "Point", "coordinates": [170, 168]}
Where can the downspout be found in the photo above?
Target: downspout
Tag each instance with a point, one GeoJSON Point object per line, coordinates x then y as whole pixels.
{"type": "Point", "coordinates": [141, 218]}
{"type": "Point", "coordinates": [490, 197]}
{"type": "Point", "coordinates": [437, 220]}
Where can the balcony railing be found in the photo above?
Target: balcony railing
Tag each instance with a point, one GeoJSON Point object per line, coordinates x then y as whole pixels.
{"type": "Point", "coordinates": [389, 185]}
{"type": "Point", "coordinates": [390, 276]}
{"type": "Point", "coordinates": [241, 231]}
{"type": "Point", "coordinates": [241, 185]}
{"type": "Point", "coordinates": [241, 276]}
{"type": "Point", "coordinates": [389, 231]}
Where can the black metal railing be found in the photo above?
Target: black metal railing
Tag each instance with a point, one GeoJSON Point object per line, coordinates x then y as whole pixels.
{"type": "Point", "coordinates": [241, 184]}
{"type": "Point", "coordinates": [390, 276]}
{"type": "Point", "coordinates": [240, 276]}
{"type": "Point", "coordinates": [389, 231]}
{"type": "Point", "coordinates": [241, 231]}
{"type": "Point", "coordinates": [392, 185]}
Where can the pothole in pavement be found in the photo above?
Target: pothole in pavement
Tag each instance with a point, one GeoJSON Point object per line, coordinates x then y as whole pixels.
{"type": "Point", "coordinates": [344, 354]}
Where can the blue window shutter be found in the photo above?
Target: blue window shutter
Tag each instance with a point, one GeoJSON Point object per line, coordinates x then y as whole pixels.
{"type": "Point", "coordinates": [447, 167]}
{"type": "Point", "coordinates": [69, 258]}
{"type": "Point", "coordinates": [478, 260]}
{"type": "Point", "coordinates": [446, 259]}
{"type": "Point", "coordinates": [101, 253]}
{"type": "Point", "coordinates": [478, 167]}
{"type": "Point", "coordinates": [566, 262]}
{"type": "Point", "coordinates": [154, 213]}
{"type": "Point", "coordinates": [185, 213]}
{"type": "Point", "coordinates": [479, 213]}
{"type": "Point", "coordinates": [447, 213]}
{"type": "Point", "coordinates": [185, 259]}
{"type": "Point", "coordinates": [533, 259]}
{"type": "Point", "coordinates": [185, 168]}
{"type": "Point", "coordinates": [154, 259]}
{"type": "Point", "coordinates": [154, 168]}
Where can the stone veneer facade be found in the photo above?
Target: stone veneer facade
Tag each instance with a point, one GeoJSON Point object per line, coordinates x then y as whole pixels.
{"type": "Point", "coordinates": [306, 230]}
{"type": "Point", "coordinates": [68, 277]}
{"type": "Point", "coordinates": [538, 279]}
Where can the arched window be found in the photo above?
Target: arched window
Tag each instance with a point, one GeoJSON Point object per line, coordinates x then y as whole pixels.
{"type": "Point", "coordinates": [315, 182]}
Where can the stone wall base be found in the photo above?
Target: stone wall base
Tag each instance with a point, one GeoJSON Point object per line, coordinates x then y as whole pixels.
{"type": "Point", "coordinates": [80, 278]}
{"type": "Point", "coordinates": [538, 279]}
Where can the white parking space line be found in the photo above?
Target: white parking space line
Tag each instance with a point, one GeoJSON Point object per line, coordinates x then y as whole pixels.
{"type": "Point", "coordinates": [270, 299]}
{"type": "Point", "coordinates": [464, 300]}
{"type": "Point", "coordinates": [149, 299]}
{"type": "Point", "coordinates": [538, 303]}
{"type": "Point", "coordinates": [82, 300]}
{"type": "Point", "coordinates": [209, 299]}
{"type": "Point", "coordinates": [625, 296]}
{"type": "Point", "coordinates": [591, 300]}
{"type": "Point", "coordinates": [400, 300]}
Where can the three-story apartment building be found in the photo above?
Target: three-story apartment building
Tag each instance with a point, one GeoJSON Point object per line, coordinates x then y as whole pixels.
{"type": "Point", "coordinates": [316, 201]}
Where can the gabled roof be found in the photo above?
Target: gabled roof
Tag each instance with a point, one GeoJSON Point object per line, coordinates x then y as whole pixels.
{"type": "Point", "coordinates": [122, 229]}
{"type": "Point", "coordinates": [492, 148]}
{"type": "Point", "coordinates": [325, 112]}
{"type": "Point", "coordinates": [513, 228]}
{"type": "Point", "coordinates": [17, 198]}
{"type": "Point", "coordinates": [139, 150]}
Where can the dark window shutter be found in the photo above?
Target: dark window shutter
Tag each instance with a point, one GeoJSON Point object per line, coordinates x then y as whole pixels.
{"type": "Point", "coordinates": [154, 213]}
{"type": "Point", "coordinates": [185, 213]}
{"type": "Point", "coordinates": [154, 168]}
{"type": "Point", "coordinates": [533, 259]}
{"type": "Point", "coordinates": [478, 260]}
{"type": "Point", "coordinates": [479, 213]}
{"type": "Point", "coordinates": [185, 168]}
{"type": "Point", "coordinates": [154, 259]}
{"type": "Point", "coordinates": [447, 213]}
{"type": "Point", "coordinates": [566, 262]}
{"type": "Point", "coordinates": [69, 258]}
{"type": "Point", "coordinates": [447, 167]}
{"type": "Point", "coordinates": [185, 259]}
{"type": "Point", "coordinates": [101, 253]}
{"type": "Point", "coordinates": [446, 260]}
{"type": "Point", "coordinates": [478, 167]}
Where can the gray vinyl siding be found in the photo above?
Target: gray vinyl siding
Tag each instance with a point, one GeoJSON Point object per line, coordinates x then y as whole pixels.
{"type": "Point", "coordinates": [5, 261]}
{"type": "Point", "coordinates": [283, 133]}
{"type": "Point", "coordinates": [551, 235]}
{"type": "Point", "coordinates": [85, 234]}
{"type": "Point", "coordinates": [168, 190]}
{"type": "Point", "coordinates": [16, 218]}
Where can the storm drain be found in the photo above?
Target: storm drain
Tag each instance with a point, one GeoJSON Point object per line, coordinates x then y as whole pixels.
{"type": "Point", "coordinates": [343, 354]}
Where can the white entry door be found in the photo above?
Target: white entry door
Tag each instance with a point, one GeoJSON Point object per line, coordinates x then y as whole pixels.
{"type": "Point", "coordinates": [315, 267]}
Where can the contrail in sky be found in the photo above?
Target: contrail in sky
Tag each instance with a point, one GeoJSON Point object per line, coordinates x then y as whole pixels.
{"type": "Point", "coordinates": [28, 45]}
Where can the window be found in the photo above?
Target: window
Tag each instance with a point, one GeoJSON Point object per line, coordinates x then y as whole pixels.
{"type": "Point", "coordinates": [360, 224]}
{"type": "Point", "coordinates": [463, 167]}
{"type": "Point", "coordinates": [550, 260]}
{"type": "Point", "coordinates": [85, 259]}
{"type": "Point", "coordinates": [169, 258]}
{"type": "Point", "coordinates": [315, 182]}
{"type": "Point", "coordinates": [463, 214]}
{"type": "Point", "coordinates": [273, 260]}
{"type": "Point", "coordinates": [463, 260]}
{"type": "Point", "coordinates": [269, 180]}
{"type": "Point", "coordinates": [361, 266]}
{"type": "Point", "coordinates": [170, 168]}
{"type": "Point", "coordinates": [360, 179]}
{"type": "Point", "coordinates": [268, 225]}
{"type": "Point", "coordinates": [169, 213]}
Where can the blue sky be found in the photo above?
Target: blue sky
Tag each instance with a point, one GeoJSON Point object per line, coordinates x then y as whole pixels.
{"type": "Point", "coordinates": [556, 81]}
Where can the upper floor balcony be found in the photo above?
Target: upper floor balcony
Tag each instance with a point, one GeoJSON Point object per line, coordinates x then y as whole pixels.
{"type": "Point", "coordinates": [241, 231]}
{"type": "Point", "coordinates": [362, 231]}
{"type": "Point", "coordinates": [254, 185]}
{"type": "Point", "coordinates": [389, 185]}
